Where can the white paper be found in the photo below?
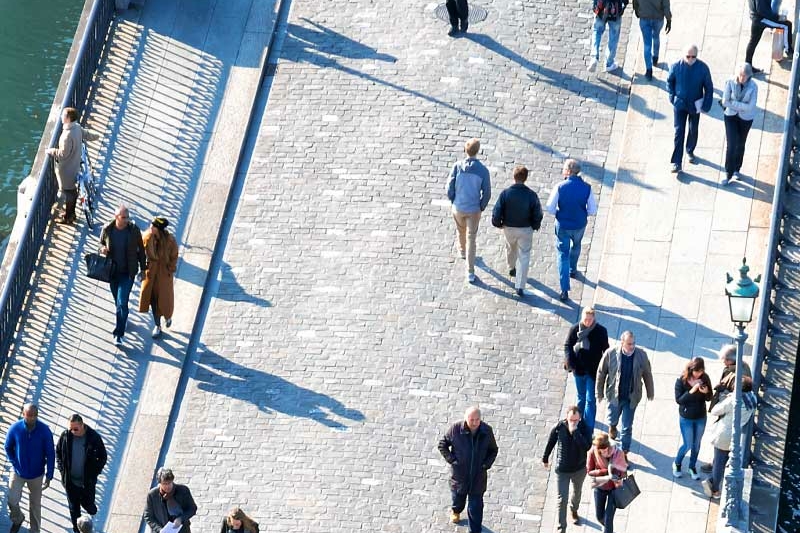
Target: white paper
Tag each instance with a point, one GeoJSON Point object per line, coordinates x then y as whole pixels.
{"type": "Point", "coordinates": [170, 527]}
{"type": "Point", "coordinates": [698, 104]}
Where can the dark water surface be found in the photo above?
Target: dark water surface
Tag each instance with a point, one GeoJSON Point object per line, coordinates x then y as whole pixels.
{"type": "Point", "coordinates": [35, 37]}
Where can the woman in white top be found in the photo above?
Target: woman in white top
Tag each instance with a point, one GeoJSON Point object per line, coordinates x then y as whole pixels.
{"type": "Point", "coordinates": [739, 102]}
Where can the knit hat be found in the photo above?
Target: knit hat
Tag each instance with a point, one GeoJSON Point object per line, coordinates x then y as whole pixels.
{"type": "Point", "coordinates": [160, 222]}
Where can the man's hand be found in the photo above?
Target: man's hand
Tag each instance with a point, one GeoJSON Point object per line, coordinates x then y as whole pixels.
{"type": "Point", "coordinates": [45, 484]}
{"type": "Point", "coordinates": [50, 151]}
{"type": "Point", "coordinates": [104, 250]}
{"type": "Point", "coordinates": [668, 27]}
{"type": "Point", "coordinates": [177, 521]}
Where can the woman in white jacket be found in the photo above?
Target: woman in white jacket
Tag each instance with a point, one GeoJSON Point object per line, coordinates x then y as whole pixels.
{"type": "Point", "coordinates": [722, 431]}
{"type": "Point", "coordinates": [739, 101]}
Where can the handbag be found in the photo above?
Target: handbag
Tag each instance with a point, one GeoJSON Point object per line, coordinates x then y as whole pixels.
{"type": "Point", "coordinates": [99, 267]}
{"type": "Point", "coordinates": [626, 493]}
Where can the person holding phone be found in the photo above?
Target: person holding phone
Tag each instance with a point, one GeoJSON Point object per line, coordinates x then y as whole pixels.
{"type": "Point", "coordinates": [692, 391]}
{"type": "Point", "coordinates": [606, 465]}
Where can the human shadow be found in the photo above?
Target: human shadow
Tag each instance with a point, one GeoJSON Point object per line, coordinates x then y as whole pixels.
{"type": "Point", "coordinates": [229, 289]}
{"type": "Point", "coordinates": [268, 392]}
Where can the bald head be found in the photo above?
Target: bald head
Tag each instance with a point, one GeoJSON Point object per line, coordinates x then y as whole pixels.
{"type": "Point", "coordinates": [690, 54]}
{"type": "Point", "coordinates": [30, 413]}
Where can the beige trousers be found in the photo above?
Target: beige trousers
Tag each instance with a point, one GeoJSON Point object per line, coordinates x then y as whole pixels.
{"type": "Point", "coordinates": [518, 252]}
{"type": "Point", "coordinates": [35, 497]}
{"type": "Point", "coordinates": [467, 225]}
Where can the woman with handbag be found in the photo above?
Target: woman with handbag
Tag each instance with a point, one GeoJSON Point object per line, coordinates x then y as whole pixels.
{"type": "Point", "coordinates": [692, 391]}
{"type": "Point", "coordinates": [606, 465]}
{"type": "Point", "coordinates": [162, 261]}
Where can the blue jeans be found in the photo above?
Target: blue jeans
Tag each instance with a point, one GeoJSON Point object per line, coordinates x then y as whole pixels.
{"type": "Point", "coordinates": [121, 285]}
{"type": "Point", "coordinates": [651, 35]}
{"type": "Point", "coordinates": [474, 510]}
{"type": "Point", "coordinates": [718, 468]}
{"type": "Point", "coordinates": [622, 408]}
{"type": "Point", "coordinates": [604, 509]}
{"type": "Point", "coordinates": [587, 403]}
{"type": "Point", "coordinates": [679, 122]}
{"type": "Point", "coordinates": [613, 39]}
{"type": "Point", "coordinates": [568, 243]}
{"type": "Point", "coordinates": [691, 434]}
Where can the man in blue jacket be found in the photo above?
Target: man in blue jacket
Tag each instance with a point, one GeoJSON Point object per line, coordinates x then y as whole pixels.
{"type": "Point", "coordinates": [762, 17]}
{"type": "Point", "coordinates": [29, 448]}
{"type": "Point", "coordinates": [690, 91]}
{"type": "Point", "coordinates": [469, 189]}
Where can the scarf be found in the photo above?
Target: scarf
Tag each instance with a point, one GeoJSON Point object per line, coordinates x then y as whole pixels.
{"type": "Point", "coordinates": [583, 336]}
{"type": "Point", "coordinates": [738, 90]}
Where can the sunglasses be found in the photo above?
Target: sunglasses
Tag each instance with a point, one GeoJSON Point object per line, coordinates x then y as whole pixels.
{"type": "Point", "coordinates": [691, 57]}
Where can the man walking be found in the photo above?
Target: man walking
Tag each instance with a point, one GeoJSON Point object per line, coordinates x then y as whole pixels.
{"type": "Point", "coordinates": [651, 14]}
{"type": "Point", "coordinates": [607, 13]}
{"type": "Point", "coordinates": [122, 241]}
{"type": "Point", "coordinates": [29, 448]}
{"type": "Point", "coordinates": [470, 449]}
{"type": "Point", "coordinates": [519, 213]}
{"type": "Point", "coordinates": [571, 202]}
{"type": "Point", "coordinates": [690, 91]}
{"type": "Point", "coordinates": [762, 17]}
{"type": "Point", "coordinates": [68, 160]}
{"type": "Point", "coordinates": [574, 439]}
{"type": "Point", "coordinates": [458, 10]}
{"type": "Point", "coordinates": [469, 190]}
{"type": "Point", "coordinates": [586, 342]}
{"type": "Point", "coordinates": [80, 456]}
{"type": "Point", "coordinates": [620, 376]}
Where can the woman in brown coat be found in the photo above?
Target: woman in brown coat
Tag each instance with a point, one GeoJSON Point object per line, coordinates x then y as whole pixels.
{"type": "Point", "coordinates": [162, 261]}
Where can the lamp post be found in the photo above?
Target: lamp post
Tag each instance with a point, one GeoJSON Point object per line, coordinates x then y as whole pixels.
{"type": "Point", "coordinates": [742, 294]}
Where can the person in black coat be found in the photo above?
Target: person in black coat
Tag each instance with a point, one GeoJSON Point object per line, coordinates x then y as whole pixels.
{"type": "Point", "coordinates": [583, 349]}
{"type": "Point", "coordinates": [470, 450]}
{"type": "Point", "coordinates": [169, 502]}
{"type": "Point", "coordinates": [80, 483]}
{"type": "Point", "coordinates": [458, 10]}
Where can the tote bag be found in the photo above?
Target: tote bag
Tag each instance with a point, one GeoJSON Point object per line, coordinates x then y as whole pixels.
{"type": "Point", "coordinates": [99, 267]}
{"type": "Point", "coordinates": [626, 493]}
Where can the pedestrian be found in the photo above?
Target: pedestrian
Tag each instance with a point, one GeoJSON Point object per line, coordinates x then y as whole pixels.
{"type": "Point", "coordinates": [29, 449]}
{"type": "Point", "coordinates": [620, 376]}
{"type": "Point", "coordinates": [68, 160]}
{"type": "Point", "coordinates": [722, 432]}
{"type": "Point", "coordinates": [739, 102]}
{"type": "Point", "coordinates": [519, 213]}
{"type": "Point", "coordinates": [586, 342]}
{"type": "Point", "coordinates": [690, 92]}
{"type": "Point", "coordinates": [170, 503]}
{"type": "Point", "coordinates": [607, 465]}
{"type": "Point", "coordinates": [80, 457]}
{"type": "Point", "coordinates": [458, 10]}
{"type": "Point", "coordinates": [236, 521]}
{"type": "Point", "coordinates": [161, 250]}
{"type": "Point", "coordinates": [122, 241]}
{"type": "Point", "coordinates": [762, 16]}
{"type": "Point", "coordinates": [692, 391]}
{"type": "Point", "coordinates": [469, 190]}
{"type": "Point", "coordinates": [571, 202]}
{"type": "Point", "coordinates": [470, 450]}
{"type": "Point", "coordinates": [574, 439]}
{"type": "Point", "coordinates": [607, 13]}
{"type": "Point", "coordinates": [651, 15]}
{"type": "Point", "coordinates": [85, 524]}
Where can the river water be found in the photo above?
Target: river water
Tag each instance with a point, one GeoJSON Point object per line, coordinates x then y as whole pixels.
{"type": "Point", "coordinates": [35, 38]}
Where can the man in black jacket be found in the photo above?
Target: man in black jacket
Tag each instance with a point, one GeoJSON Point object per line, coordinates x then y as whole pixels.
{"type": "Point", "coordinates": [586, 342]}
{"type": "Point", "coordinates": [169, 502]}
{"type": "Point", "coordinates": [458, 10]}
{"type": "Point", "coordinates": [80, 456]}
{"type": "Point", "coordinates": [574, 440]}
{"type": "Point", "coordinates": [762, 17]}
{"type": "Point", "coordinates": [470, 449]}
{"type": "Point", "coordinates": [518, 212]}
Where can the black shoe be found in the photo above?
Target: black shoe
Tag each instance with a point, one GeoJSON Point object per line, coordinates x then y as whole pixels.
{"type": "Point", "coordinates": [575, 518]}
{"type": "Point", "coordinates": [757, 70]}
{"type": "Point", "coordinates": [564, 296]}
{"type": "Point", "coordinates": [521, 293]}
{"type": "Point", "coordinates": [512, 272]}
{"type": "Point", "coordinates": [464, 25]}
{"type": "Point", "coordinates": [706, 468]}
{"type": "Point", "coordinates": [573, 274]}
{"type": "Point", "coordinates": [648, 74]}
{"type": "Point", "coordinates": [453, 31]}
{"type": "Point", "coordinates": [15, 527]}
{"type": "Point", "coordinates": [692, 158]}
{"type": "Point", "coordinates": [655, 61]}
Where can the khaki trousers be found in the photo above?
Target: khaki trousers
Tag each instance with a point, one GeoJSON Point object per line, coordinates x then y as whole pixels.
{"type": "Point", "coordinates": [467, 225]}
{"type": "Point", "coordinates": [518, 252]}
{"type": "Point", "coordinates": [35, 500]}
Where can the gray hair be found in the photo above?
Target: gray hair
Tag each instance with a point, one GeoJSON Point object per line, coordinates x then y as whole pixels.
{"type": "Point", "coordinates": [728, 352]}
{"type": "Point", "coordinates": [472, 409]}
{"type": "Point", "coordinates": [745, 68]}
{"type": "Point", "coordinates": [165, 474]}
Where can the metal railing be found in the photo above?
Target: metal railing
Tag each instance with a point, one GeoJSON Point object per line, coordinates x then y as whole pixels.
{"type": "Point", "coordinates": [85, 59]}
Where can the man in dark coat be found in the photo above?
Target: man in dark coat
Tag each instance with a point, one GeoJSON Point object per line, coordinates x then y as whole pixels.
{"type": "Point", "coordinates": [470, 449]}
{"type": "Point", "coordinates": [586, 342]}
{"type": "Point", "coordinates": [458, 10]}
{"type": "Point", "coordinates": [80, 456]}
{"type": "Point", "coordinates": [169, 502]}
{"type": "Point", "coordinates": [574, 439]}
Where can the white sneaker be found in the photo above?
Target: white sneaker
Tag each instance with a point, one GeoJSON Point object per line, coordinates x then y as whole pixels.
{"type": "Point", "coordinates": [612, 67]}
{"type": "Point", "coordinates": [156, 332]}
{"type": "Point", "coordinates": [676, 470]}
{"type": "Point", "coordinates": [592, 65]}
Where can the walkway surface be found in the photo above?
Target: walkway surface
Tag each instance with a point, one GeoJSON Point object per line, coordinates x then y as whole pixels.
{"type": "Point", "coordinates": [341, 339]}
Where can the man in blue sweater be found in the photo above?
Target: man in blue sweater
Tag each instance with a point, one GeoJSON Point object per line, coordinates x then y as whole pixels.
{"type": "Point", "coordinates": [469, 189]}
{"type": "Point", "coordinates": [29, 448]}
{"type": "Point", "coordinates": [571, 202]}
{"type": "Point", "coordinates": [762, 17]}
{"type": "Point", "coordinates": [690, 91]}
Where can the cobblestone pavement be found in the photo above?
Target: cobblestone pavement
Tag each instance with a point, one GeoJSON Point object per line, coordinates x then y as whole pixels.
{"type": "Point", "coordinates": [342, 339]}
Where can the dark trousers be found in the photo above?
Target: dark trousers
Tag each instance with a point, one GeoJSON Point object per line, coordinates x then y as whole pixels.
{"type": "Point", "coordinates": [121, 285]}
{"type": "Point", "coordinates": [736, 131]}
{"type": "Point", "coordinates": [604, 509]}
{"type": "Point", "coordinates": [718, 468]}
{"type": "Point", "coordinates": [79, 497]}
{"type": "Point", "coordinates": [757, 27]}
{"type": "Point", "coordinates": [474, 509]}
{"type": "Point", "coordinates": [70, 201]}
{"type": "Point", "coordinates": [458, 11]}
{"type": "Point", "coordinates": [679, 120]}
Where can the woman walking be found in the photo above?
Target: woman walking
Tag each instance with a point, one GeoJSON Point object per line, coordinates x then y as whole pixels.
{"type": "Point", "coordinates": [606, 465]}
{"type": "Point", "coordinates": [692, 391]}
{"type": "Point", "coordinates": [238, 522]}
{"type": "Point", "coordinates": [739, 102]}
{"type": "Point", "coordinates": [162, 261]}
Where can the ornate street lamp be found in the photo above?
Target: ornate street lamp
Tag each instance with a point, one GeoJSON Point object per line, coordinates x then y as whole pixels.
{"type": "Point", "coordinates": [742, 294]}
